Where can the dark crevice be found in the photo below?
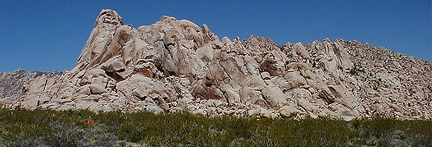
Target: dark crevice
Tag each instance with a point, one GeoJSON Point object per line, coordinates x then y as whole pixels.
{"type": "Point", "coordinates": [143, 98]}
{"type": "Point", "coordinates": [114, 75]}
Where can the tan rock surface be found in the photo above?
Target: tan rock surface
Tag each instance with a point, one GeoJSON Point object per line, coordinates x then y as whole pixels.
{"type": "Point", "coordinates": [175, 65]}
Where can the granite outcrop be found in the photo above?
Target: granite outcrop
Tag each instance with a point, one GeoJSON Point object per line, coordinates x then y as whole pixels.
{"type": "Point", "coordinates": [175, 65]}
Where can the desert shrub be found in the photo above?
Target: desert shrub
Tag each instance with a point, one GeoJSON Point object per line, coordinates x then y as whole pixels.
{"type": "Point", "coordinates": [69, 128]}
{"type": "Point", "coordinates": [49, 128]}
{"type": "Point", "coordinates": [99, 135]}
{"type": "Point", "coordinates": [112, 119]}
{"type": "Point", "coordinates": [380, 131]}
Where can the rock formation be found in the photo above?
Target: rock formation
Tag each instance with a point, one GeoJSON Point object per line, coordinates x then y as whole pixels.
{"type": "Point", "coordinates": [11, 83]}
{"type": "Point", "coordinates": [175, 65]}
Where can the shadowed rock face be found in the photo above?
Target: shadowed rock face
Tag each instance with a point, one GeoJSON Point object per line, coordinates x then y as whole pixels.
{"type": "Point", "coordinates": [175, 65]}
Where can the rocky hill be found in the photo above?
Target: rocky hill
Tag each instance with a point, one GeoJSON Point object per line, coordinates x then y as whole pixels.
{"type": "Point", "coordinates": [11, 83]}
{"type": "Point", "coordinates": [175, 65]}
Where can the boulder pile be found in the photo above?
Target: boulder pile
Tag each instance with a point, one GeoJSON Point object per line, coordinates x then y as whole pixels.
{"type": "Point", "coordinates": [175, 65]}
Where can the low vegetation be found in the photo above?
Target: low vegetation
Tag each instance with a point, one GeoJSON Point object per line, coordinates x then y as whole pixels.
{"type": "Point", "coordinates": [72, 128]}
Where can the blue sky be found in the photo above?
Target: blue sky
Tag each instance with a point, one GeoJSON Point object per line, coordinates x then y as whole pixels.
{"type": "Point", "coordinates": [49, 35]}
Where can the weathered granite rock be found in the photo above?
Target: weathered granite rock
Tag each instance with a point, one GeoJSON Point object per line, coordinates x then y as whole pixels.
{"type": "Point", "coordinates": [11, 86]}
{"type": "Point", "coordinates": [175, 65]}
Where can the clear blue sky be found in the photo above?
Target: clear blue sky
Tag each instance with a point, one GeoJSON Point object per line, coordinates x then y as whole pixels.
{"type": "Point", "coordinates": [49, 35]}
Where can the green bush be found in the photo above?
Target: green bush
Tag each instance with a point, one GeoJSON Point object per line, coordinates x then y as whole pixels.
{"type": "Point", "coordinates": [69, 128]}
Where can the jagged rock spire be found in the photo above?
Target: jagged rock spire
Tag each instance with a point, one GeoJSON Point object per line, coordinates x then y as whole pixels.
{"type": "Point", "coordinates": [100, 38]}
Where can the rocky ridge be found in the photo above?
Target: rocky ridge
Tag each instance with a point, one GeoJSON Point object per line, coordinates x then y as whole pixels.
{"type": "Point", "coordinates": [175, 65]}
{"type": "Point", "coordinates": [11, 83]}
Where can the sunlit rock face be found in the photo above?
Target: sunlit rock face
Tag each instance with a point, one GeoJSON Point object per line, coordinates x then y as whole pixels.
{"type": "Point", "coordinates": [175, 65]}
